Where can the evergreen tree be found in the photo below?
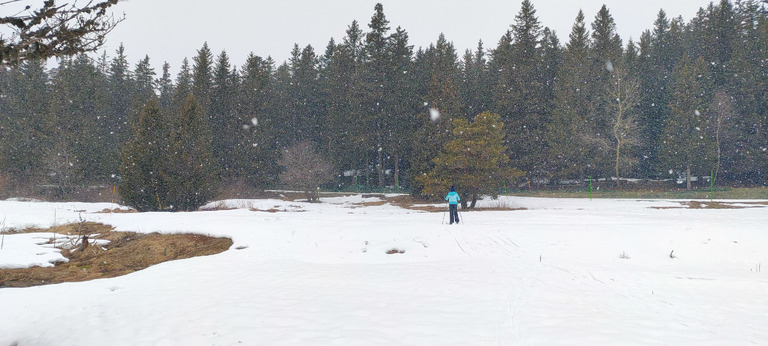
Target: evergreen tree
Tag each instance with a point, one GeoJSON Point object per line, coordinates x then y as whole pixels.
{"type": "Point", "coordinates": [165, 88]}
{"type": "Point", "coordinates": [304, 91]}
{"type": "Point", "coordinates": [374, 86]}
{"type": "Point", "coordinates": [169, 163]}
{"type": "Point", "coordinates": [567, 137]}
{"type": "Point", "coordinates": [606, 55]}
{"type": "Point", "coordinates": [120, 86]}
{"type": "Point", "coordinates": [144, 76]}
{"type": "Point", "coordinates": [23, 125]}
{"type": "Point", "coordinates": [439, 72]}
{"type": "Point", "coordinates": [283, 106]}
{"type": "Point", "coordinates": [193, 179]}
{"type": "Point", "coordinates": [257, 108]}
{"type": "Point", "coordinates": [518, 90]}
{"type": "Point", "coordinates": [475, 160]}
{"type": "Point", "coordinates": [687, 147]}
{"type": "Point", "coordinates": [720, 36]}
{"type": "Point", "coordinates": [226, 124]}
{"type": "Point", "coordinates": [740, 104]}
{"type": "Point", "coordinates": [202, 78]}
{"type": "Point", "coordinates": [475, 89]}
{"type": "Point", "coordinates": [551, 61]}
{"type": "Point", "coordinates": [183, 86]}
{"type": "Point", "coordinates": [146, 171]}
{"type": "Point", "coordinates": [86, 144]}
{"type": "Point", "coordinates": [401, 102]}
{"type": "Point", "coordinates": [655, 65]}
{"type": "Point", "coordinates": [345, 132]}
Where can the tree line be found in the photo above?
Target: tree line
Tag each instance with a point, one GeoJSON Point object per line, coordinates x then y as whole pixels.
{"type": "Point", "coordinates": [687, 99]}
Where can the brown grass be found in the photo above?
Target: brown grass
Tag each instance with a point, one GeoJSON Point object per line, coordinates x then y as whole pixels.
{"type": "Point", "coordinates": [411, 202]}
{"type": "Point", "coordinates": [126, 252]}
{"type": "Point", "coordinates": [395, 251]}
{"type": "Point", "coordinates": [117, 211]}
{"type": "Point", "coordinates": [714, 205]}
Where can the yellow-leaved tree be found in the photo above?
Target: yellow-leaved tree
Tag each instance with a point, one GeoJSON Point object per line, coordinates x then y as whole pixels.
{"type": "Point", "coordinates": [474, 161]}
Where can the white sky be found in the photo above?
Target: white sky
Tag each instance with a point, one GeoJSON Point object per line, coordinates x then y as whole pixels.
{"type": "Point", "coordinates": [171, 30]}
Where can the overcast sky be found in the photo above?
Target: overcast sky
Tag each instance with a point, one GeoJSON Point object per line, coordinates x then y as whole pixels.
{"type": "Point", "coordinates": [171, 30]}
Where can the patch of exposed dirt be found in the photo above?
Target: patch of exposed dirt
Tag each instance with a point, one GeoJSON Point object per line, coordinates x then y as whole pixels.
{"type": "Point", "coordinates": [715, 205]}
{"type": "Point", "coordinates": [415, 203]}
{"type": "Point", "coordinates": [125, 253]}
{"type": "Point", "coordinates": [117, 211]}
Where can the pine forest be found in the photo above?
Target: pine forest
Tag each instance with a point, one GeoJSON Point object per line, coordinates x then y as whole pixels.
{"type": "Point", "coordinates": [688, 101]}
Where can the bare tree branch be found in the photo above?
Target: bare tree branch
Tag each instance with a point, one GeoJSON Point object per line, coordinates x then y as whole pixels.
{"type": "Point", "coordinates": [55, 30]}
{"type": "Point", "coordinates": [304, 169]}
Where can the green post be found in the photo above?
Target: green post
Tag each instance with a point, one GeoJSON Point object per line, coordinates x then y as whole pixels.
{"type": "Point", "coordinates": [590, 188]}
{"type": "Point", "coordinates": [711, 185]}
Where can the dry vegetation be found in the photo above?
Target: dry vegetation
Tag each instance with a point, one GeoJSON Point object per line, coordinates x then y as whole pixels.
{"type": "Point", "coordinates": [715, 205]}
{"type": "Point", "coordinates": [415, 203]}
{"type": "Point", "coordinates": [126, 253]}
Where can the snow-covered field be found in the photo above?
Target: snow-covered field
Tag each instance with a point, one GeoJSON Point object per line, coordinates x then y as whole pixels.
{"type": "Point", "coordinates": [563, 271]}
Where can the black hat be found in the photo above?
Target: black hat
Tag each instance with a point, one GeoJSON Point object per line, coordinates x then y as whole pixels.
{"type": "Point", "coordinates": [452, 188]}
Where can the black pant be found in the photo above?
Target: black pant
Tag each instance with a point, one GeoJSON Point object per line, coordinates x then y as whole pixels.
{"type": "Point", "coordinates": [453, 209]}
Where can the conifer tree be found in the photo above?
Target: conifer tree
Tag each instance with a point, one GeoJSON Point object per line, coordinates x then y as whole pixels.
{"type": "Point", "coordinates": [401, 102]}
{"type": "Point", "coordinates": [739, 104]}
{"type": "Point", "coordinates": [120, 86]}
{"type": "Point", "coordinates": [23, 125]}
{"type": "Point", "coordinates": [283, 106]}
{"type": "Point", "coordinates": [183, 86]}
{"type": "Point", "coordinates": [551, 61]}
{"type": "Point", "coordinates": [344, 130]}
{"type": "Point", "coordinates": [169, 163]}
{"type": "Point", "coordinates": [657, 60]}
{"type": "Point", "coordinates": [518, 90]}
{"type": "Point", "coordinates": [225, 124]}
{"type": "Point", "coordinates": [86, 146]}
{"type": "Point", "coordinates": [146, 171]}
{"type": "Point", "coordinates": [259, 146]}
{"type": "Point", "coordinates": [144, 76]}
{"type": "Point", "coordinates": [374, 86]}
{"type": "Point", "coordinates": [304, 91]}
{"type": "Point", "coordinates": [476, 88]}
{"type": "Point", "coordinates": [568, 153]}
{"type": "Point", "coordinates": [193, 173]}
{"type": "Point", "coordinates": [475, 161]}
{"type": "Point", "coordinates": [165, 88]}
{"type": "Point", "coordinates": [687, 146]}
{"type": "Point", "coordinates": [439, 72]}
{"type": "Point", "coordinates": [606, 55]}
{"type": "Point", "coordinates": [202, 78]}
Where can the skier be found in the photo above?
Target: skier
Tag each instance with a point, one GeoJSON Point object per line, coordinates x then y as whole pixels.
{"type": "Point", "coordinates": [453, 201]}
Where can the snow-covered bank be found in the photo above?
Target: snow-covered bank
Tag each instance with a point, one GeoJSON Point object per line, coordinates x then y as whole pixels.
{"type": "Point", "coordinates": [562, 271]}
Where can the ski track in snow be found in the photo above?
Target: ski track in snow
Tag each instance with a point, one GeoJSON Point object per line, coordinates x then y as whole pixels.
{"type": "Point", "coordinates": [563, 271]}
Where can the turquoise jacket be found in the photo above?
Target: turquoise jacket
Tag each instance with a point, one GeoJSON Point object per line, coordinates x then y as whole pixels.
{"type": "Point", "coordinates": [453, 198]}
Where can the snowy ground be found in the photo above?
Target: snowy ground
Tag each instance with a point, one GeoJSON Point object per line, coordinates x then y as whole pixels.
{"type": "Point", "coordinates": [564, 271]}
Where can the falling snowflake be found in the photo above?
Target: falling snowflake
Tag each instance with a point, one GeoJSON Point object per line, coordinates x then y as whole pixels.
{"type": "Point", "coordinates": [434, 114]}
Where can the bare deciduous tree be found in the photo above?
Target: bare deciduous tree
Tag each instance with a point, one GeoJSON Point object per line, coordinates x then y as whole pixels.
{"type": "Point", "coordinates": [53, 30]}
{"type": "Point", "coordinates": [623, 92]}
{"type": "Point", "coordinates": [304, 169]}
